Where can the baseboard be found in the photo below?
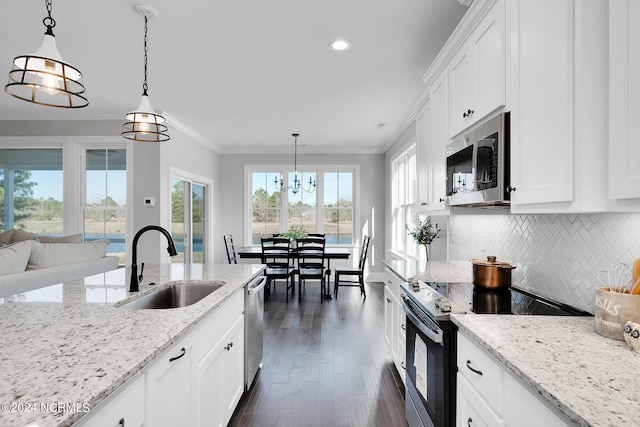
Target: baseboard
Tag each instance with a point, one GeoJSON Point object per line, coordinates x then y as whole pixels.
{"type": "Point", "coordinates": [376, 277]}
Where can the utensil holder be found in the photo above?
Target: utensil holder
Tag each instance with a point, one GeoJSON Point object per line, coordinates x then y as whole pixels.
{"type": "Point", "coordinates": [613, 310]}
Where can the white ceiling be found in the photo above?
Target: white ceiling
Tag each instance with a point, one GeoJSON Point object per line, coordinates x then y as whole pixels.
{"type": "Point", "coordinates": [243, 75]}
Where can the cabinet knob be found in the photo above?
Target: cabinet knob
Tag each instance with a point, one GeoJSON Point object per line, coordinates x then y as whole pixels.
{"type": "Point", "coordinates": [511, 189]}
{"type": "Point", "coordinates": [228, 346]}
{"type": "Point", "coordinates": [121, 422]}
{"type": "Point", "coordinates": [183, 350]}
{"type": "Point", "coordinates": [467, 113]}
{"type": "Point", "coordinates": [469, 421]}
{"type": "Point", "coordinates": [388, 300]}
{"type": "Point", "coordinates": [441, 200]}
{"type": "Point", "coordinates": [424, 204]}
{"type": "Point", "coordinates": [404, 328]}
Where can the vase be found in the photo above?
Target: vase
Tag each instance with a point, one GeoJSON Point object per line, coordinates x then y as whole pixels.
{"type": "Point", "coordinates": [424, 253]}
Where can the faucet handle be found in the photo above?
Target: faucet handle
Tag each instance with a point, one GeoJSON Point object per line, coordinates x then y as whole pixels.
{"type": "Point", "coordinates": [141, 276]}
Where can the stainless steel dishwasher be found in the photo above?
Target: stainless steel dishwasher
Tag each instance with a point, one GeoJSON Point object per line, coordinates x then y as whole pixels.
{"type": "Point", "coordinates": [253, 328]}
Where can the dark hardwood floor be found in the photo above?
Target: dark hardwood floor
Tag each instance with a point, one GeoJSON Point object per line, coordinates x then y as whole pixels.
{"type": "Point", "coordinates": [324, 364]}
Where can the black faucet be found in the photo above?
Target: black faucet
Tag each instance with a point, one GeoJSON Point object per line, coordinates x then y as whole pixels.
{"type": "Point", "coordinates": [135, 279]}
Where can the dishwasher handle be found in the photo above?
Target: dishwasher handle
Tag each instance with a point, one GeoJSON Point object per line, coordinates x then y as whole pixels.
{"type": "Point", "coordinates": [256, 285]}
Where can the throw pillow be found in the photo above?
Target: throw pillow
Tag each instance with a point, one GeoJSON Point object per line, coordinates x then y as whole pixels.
{"type": "Point", "coordinates": [20, 235]}
{"type": "Point", "coordinates": [72, 238]}
{"type": "Point", "coordinates": [5, 238]}
{"type": "Point", "coordinates": [45, 255]}
{"type": "Point", "coordinates": [14, 258]}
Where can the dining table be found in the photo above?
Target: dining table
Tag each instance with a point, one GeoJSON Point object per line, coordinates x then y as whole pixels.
{"type": "Point", "coordinates": [255, 252]}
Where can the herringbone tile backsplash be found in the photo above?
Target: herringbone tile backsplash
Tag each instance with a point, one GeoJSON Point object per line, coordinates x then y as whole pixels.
{"type": "Point", "coordinates": [557, 256]}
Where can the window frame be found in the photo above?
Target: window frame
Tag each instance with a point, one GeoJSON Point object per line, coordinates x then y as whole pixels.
{"type": "Point", "coordinates": [400, 243]}
{"type": "Point", "coordinates": [319, 170]}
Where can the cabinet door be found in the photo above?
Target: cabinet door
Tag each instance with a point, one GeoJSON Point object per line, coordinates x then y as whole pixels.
{"type": "Point", "coordinates": [489, 45]}
{"type": "Point", "coordinates": [437, 143]}
{"type": "Point", "coordinates": [170, 386]}
{"type": "Point", "coordinates": [542, 97]}
{"type": "Point", "coordinates": [220, 378]}
{"type": "Point", "coordinates": [423, 155]}
{"type": "Point", "coordinates": [462, 91]}
{"type": "Point", "coordinates": [233, 376]}
{"type": "Point", "coordinates": [390, 321]}
{"type": "Point", "coordinates": [624, 96]}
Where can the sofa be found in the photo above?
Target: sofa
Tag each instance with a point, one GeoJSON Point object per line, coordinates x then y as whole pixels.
{"type": "Point", "coordinates": [29, 261]}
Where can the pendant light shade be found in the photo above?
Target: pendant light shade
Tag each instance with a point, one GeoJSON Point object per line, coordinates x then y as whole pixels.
{"type": "Point", "coordinates": [144, 124]}
{"type": "Point", "coordinates": [297, 184]}
{"type": "Point", "coordinates": [44, 78]}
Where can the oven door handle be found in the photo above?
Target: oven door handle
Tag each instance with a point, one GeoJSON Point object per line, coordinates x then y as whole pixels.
{"type": "Point", "coordinates": [433, 333]}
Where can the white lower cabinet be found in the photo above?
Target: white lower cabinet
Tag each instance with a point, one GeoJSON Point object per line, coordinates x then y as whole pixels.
{"type": "Point", "coordinates": [395, 322]}
{"type": "Point", "coordinates": [220, 377]}
{"type": "Point", "coordinates": [489, 395]}
{"type": "Point", "coordinates": [125, 408]}
{"type": "Point", "coordinates": [170, 386]}
{"type": "Point", "coordinates": [198, 381]}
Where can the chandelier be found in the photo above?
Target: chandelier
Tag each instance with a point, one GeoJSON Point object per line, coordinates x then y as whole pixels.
{"type": "Point", "coordinates": [297, 181]}
{"type": "Point", "coordinates": [144, 124]}
{"type": "Point", "coordinates": [44, 78]}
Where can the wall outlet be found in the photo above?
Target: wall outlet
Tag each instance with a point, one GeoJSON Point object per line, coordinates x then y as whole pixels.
{"type": "Point", "coordinates": [150, 201]}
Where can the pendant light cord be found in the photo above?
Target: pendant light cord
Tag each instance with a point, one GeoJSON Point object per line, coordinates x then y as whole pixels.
{"type": "Point", "coordinates": [48, 21]}
{"type": "Point", "coordinates": [145, 87]}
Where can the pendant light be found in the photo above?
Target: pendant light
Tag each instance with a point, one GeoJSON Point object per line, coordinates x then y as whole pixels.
{"type": "Point", "coordinates": [144, 124]}
{"type": "Point", "coordinates": [44, 78]}
{"type": "Point", "coordinates": [297, 182]}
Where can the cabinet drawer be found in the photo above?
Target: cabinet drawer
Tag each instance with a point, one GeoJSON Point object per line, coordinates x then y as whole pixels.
{"type": "Point", "coordinates": [125, 406]}
{"type": "Point", "coordinates": [219, 323]}
{"type": "Point", "coordinates": [472, 410]}
{"type": "Point", "coordinates": [482, 372]}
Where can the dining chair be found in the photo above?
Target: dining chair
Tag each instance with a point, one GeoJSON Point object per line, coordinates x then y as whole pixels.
{"type": "Point", "coordinates": [231, 250]}
{"type": "Point", "coordinates": [310, 253]}
{"type": "Point", "coordinates": [350, 272]}
{"type": "Point", "coordinates": [276, 255]}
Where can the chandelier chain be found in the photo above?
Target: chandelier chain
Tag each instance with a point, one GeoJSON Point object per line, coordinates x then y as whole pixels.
{"type": "Point", "coordinates": [48, 21]}
{"type": "Point", "coordinates": [145, 87]}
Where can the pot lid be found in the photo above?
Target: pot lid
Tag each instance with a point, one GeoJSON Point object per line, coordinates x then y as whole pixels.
{"type": "Point", "coordinates": [492, 262]}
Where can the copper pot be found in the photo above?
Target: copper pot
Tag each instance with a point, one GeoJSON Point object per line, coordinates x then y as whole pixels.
{"type": "Point", "coordinates": [492, 274]}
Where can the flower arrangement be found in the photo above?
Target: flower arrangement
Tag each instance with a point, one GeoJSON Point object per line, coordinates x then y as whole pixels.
{"type": "Point", "coordinates": [295, 232]}
{"type": "Point", "coordinates": [424, 233]}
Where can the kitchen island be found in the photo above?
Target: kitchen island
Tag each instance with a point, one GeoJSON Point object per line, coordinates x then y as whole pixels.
{"type": "Point", "coordinates": [65, 348]}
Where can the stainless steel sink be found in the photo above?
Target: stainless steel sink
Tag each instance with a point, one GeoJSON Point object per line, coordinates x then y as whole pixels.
{"type": "Point", "coordinates": [173, 296]}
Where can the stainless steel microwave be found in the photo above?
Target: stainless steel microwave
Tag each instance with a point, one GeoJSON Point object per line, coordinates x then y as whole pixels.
{"type": "Point", "coordinates": [478, 165]}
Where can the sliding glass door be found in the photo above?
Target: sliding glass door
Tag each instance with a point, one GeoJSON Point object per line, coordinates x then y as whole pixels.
{"type": "Point", "coordinates": [188, 220]}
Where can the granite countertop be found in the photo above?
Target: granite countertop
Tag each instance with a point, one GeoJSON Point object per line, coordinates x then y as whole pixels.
{"type": "Point", "coordinates": [592, 379]}
{"type": "Point", "coordinates": [432, 271]}
{"type": "Point", "coordinates": [588, 377]}
{"type": "Point", "coordinates": [70, 344]}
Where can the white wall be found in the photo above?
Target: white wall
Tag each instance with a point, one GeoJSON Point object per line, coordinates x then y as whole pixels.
{"type": "Point", "coordinates": [371, 199]}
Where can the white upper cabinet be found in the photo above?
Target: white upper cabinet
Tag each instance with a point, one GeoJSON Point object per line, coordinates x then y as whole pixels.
{"type": "Point", "coordinates": [477, 82]}
{"type": "Point", "coordinates": [437, 143]}
{"type": "Point", "coordinates": [558, 106]}
{"type": "Point", "coordinates": [624, 103]}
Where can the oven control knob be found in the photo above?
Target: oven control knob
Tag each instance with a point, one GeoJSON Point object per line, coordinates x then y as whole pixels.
{"type": "Point", "coordinates": [445, 306]}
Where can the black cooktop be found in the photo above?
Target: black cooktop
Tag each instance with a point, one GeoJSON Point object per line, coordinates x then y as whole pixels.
{"type": "Point", "coordinates": [504, 301]}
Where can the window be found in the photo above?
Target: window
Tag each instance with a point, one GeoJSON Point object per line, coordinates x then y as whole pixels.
{"type": "Point", "coordinates": [31, 183]}
{"type": "Point", "coordinates": [106, 198]}
{"type": "Point", "coordinates": [338, 207]}
{"type": "Point", "coordinates": [403, 196]}
{"type": "Point", "coordinates": [329, 209]}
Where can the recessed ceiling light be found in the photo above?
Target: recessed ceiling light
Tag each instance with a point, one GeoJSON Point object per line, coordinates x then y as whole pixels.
{"type": "Point", "coordinates": [340, 45]}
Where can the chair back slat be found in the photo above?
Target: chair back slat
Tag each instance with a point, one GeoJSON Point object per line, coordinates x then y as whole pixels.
{"type": "Point", "coordinates": [276, 251]}
{"type": "Point", "coordinates": [363, 252]}
{"type": "Point", "coordinates": [310, 251]}
{"type": "Point", "coordinates": [231, 251]}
